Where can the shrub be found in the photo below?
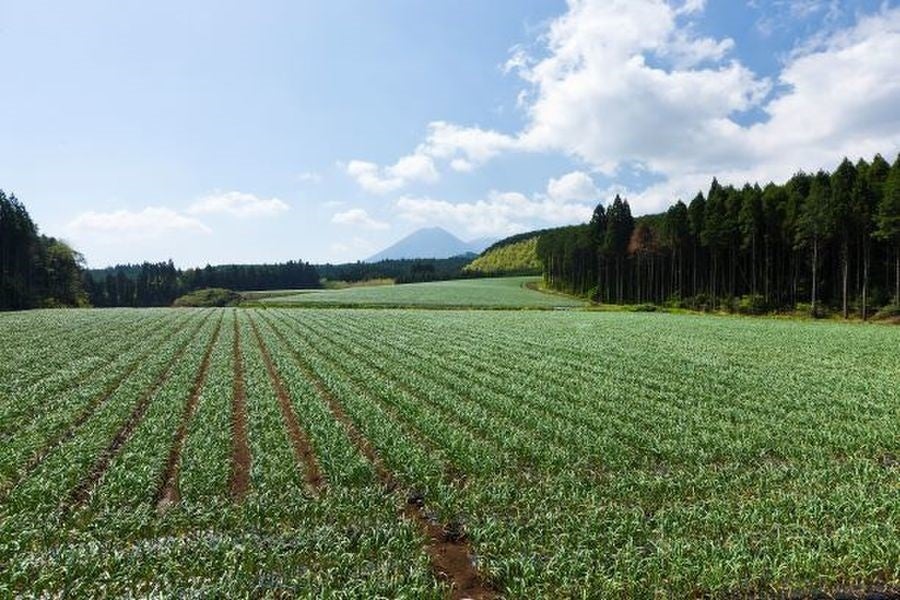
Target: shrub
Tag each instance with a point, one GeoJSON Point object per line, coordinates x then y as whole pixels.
{"type": "Point", "coordinates": [888, 313]}
{"type": "Point", "coordinates": [646, 307]}
{"type": "Point", "coordinates": [752, 304]}
{"type": "Point", "coordinates": [209, 297]}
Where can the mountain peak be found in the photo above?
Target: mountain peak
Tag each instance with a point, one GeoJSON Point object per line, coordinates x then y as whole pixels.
{"type": "Point", "coordinates": [428, 242]}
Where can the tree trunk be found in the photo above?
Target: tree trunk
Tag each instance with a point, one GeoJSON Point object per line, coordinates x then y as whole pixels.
{"type": "Point", "coordinates": [865, 281]}
{"type": "Point", "coordinates": [897, 276]}
{"type": "Point", "coordinates": [815, 264]}
{"type": "Point", "coordinates": [844, 275]}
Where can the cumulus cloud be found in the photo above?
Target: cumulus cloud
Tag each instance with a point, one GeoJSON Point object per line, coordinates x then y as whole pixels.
{"type": "Point", "coordinates": [149, 223]}
{"type": "Point", "coordinates": [629, 83]}
{"type": "Point", "coordinates": [416, 167]}
{"type": "Point", "coordinates": [575, 186]}
{"type": "Point", "coordinates": [238, 204]}
{"type": "Point", "coordinates": [505, 213]}
{"type": "Point", "coordinates": [464, 148]}
{"type": "Point", "coordinates": [358, 217]}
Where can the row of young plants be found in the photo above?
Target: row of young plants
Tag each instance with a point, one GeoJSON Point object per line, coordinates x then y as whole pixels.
{"type": "Point", "coordinates": [279, 539]}
{"type": "Point", "coordinates": [630, 456]}
{"type": "Point", "coordinates": [43, 363]}
{"type": "Point", "coordinates": [699, 472]}
{"type": "Point", "coordinates": [34, 435]}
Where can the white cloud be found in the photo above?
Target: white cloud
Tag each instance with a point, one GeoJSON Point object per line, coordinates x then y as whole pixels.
{"type": "Point", "coordinates": [630, 84]}
{"type": "Point", "coordinates": [358, 217]}
{"type": "Point", "coordinates": [576, 186]}
{"type": "Point", "coordinates": [466, 147]}
{"type": "Point", "coordinates": [501, 213]}
{"type": "Point", "coordinates": [377, 180]}
{"type": "Point", "coordinates": [238, 204]}
{"type": "Point", "coordinates": [621, 84]}
{"type": "Point", "coordinates": [151, 222]}
{"type": "Point", "coordinates": [309, 177]}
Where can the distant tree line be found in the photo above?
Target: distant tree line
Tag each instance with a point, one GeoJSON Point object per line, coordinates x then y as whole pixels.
{"type": "Point", "coordinates": [401, 270]}
{"type": "Point", "coordinates": [159, 284]}
{"type": "Point", "coordinates": [826, 240]}
{"type": "Point", "coordinates": [35, 270]}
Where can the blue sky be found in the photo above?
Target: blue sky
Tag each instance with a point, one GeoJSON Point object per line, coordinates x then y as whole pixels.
{"type": "Point", "coordinates": [216, 132]}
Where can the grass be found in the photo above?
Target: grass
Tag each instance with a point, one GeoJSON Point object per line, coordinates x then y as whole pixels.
{"type": "Point", "coordinates": [499, 292]}
{"type": "Point", "coordinates": [617, 454]}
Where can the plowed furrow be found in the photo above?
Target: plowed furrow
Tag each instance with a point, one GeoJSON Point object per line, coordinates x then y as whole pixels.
{"type": "Point", "coordinates": [240, 449]}
{"type": "Point", "coordinates": [83, 415]}
{"type": "Point", "coordinates": [450, 555]}
{"type": "Point", "coordinates": [85, 488]}
{"type": "Point", "coordinates": [299, 440]}
{"type": "Point", "coordinates": [169, 492]}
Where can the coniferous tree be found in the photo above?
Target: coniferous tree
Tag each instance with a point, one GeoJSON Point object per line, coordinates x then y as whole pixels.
{"type": "Point", "coordinates": [888, 221]}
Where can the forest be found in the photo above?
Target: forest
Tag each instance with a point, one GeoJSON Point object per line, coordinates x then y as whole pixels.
{"type": "Point", "coordinates": [820, 242]}
{"type": "Point", "coordinates": [159, 284]}
{"type": "Point", "coordinates": [401, 270]}
{"type": "Point", "coordinates": [36, 271]}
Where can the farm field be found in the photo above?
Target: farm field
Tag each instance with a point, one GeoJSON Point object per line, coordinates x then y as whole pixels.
{"type": "Point", "coordinates": [497, 292]}
{"type": "Point", "coordinates": [431, 454]}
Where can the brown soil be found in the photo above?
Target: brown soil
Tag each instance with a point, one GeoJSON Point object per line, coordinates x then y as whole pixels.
{"type": "Point", "coordinates": [169, 492]}
{"type": "Point", "coordinates": [449, 551]}
{"type": "Point", "coordinates": [83, 490]}
{"type": "Point", "coordinates": [303, 449]}
{"type": "Point", "coordinates": [240, 449]}
{"type": "Point", "coordinates": [66, 434]}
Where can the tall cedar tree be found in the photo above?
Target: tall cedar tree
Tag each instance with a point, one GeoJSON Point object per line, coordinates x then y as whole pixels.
{"type": "Point", "coordinates": [816, 238]}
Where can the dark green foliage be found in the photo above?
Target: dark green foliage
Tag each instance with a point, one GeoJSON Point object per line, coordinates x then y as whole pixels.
{"type": "Point", "coordinates": [159, 284]}
{"type": "Point", "coordinates": [209, 297]}
{"type": "Point", "coordinates": [829, 240]}
{"type": "Point", "coordinates": [35, 270]}
{"type": "Point", "coordinates": [407, 270]}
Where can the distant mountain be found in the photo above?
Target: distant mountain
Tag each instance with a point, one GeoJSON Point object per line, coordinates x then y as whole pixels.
{"type": "Point", "coordinates": [431, 242]}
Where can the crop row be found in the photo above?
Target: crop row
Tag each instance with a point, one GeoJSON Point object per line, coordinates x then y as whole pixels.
{"type": "Point", "coordinates": [311, 451]}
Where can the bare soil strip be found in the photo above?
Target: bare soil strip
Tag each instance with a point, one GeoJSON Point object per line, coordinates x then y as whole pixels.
{"type": "Point", "coordinates": [303, 449]}
{"type": "Point", "coordinates": [240, 449]}
{"type": "Point", "coordinates": [449, 552]}
{"type": "Point", "coordinates": [85, 488]}
{"type": "Point", "coordinates": [169, 492]}
{"type": "Point", "coordinates": [83, 415]}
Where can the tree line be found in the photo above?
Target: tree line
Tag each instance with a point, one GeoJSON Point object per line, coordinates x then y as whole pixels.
{"type": "Point", "coordinates": [35, 270]}
{"type": "Point", "coordinates": [818, 242]}
{"type": "Point", "coordinates": [401, 270]}
{"type": "Point", "coordinates": [159, 284]}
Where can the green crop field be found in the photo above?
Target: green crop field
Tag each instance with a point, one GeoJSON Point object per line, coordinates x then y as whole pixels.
{"type": "Point", "coordinates": [499, 292]}
{"type": "Point", "coordinates": [414, 453]}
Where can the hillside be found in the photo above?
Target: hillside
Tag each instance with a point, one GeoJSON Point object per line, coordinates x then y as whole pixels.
{"type": "Point", "coordinates": [431, 242]}
{"type": "Point", "coordinates": [494, 292]}
{"type": "Point", "coordinates": [519, 257]}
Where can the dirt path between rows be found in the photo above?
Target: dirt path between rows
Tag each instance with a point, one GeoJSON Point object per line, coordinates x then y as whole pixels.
{"type": "Point", "coordinates": [448, 550]}
{"type": "Point", "coordinates": [169, 492]}
{"type": "Point", "coordinates": [85, 488]}
{"type": "Point", "coordinates": [68, 431]}
{"type": "Point", "coordinates": [303, 449]}
{"type": "Point", "coordinates": [240, 447]}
